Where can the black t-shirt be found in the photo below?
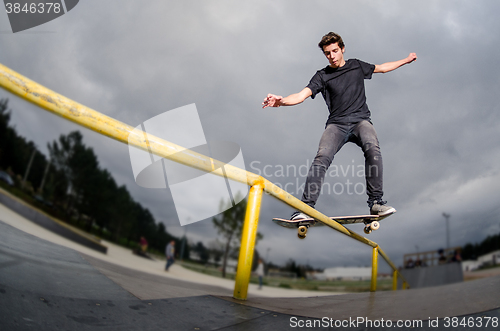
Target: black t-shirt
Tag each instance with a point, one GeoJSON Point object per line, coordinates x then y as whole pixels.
{"type": "Point", "coordinates": [343, 89]}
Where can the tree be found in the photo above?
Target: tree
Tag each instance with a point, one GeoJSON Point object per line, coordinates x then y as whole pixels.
{"type": "Point", "coordinates": [16, 151]}
{"type": "Point", "coordinates": [5, 133]}
{"type": "Point", "coordinates": [76, 182]}
{"type": "Point", "coordinates": [488, 245]}
{"type": "Point", "coordinates": [95, 194]}
{"type": "Point", "coordinates": [202, 251]}
{"type": "Point", "coordinates": [229, 224]}
{"type": "Point", "coordinates": [216, 249]}
{"type": "Point", "coordinates": [71, 158]}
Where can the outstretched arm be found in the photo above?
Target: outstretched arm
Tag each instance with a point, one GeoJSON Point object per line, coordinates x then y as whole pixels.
{"type": "Point", "coordinates": [390, 66]}
{"type": "Point", "coordinates": [293, 99]}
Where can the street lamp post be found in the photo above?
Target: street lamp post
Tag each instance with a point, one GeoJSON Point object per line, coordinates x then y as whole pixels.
{"type": "Point", "coordinates": [40, 189]}
{"type": "Point", "coordinates": [26, 173]}
{"type": "Point", "coordinates": [184, 239]}
{"type": "Point", "coordinates": [447, 217]}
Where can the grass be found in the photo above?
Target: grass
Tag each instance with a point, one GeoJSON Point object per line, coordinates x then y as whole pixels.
{"type": "Point", "coordinates": [486, 267]}
{"type": "Point", "coordinates": [211, 271]}
{"type": "Point", "coordinates": [297, 284]}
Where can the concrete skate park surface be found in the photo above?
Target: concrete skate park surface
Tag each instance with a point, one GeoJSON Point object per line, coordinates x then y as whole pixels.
{"type": "Point", "coordinates": [50, 283]}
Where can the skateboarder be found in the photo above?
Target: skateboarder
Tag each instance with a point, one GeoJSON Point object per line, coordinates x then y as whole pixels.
{"type": "Point", "coordinates": [342, 85]}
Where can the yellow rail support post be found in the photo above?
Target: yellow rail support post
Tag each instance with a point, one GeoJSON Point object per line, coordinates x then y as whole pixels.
{"type": "Point", "coordinates": [248, 242]}
{"type": "Point", "coordinates": [373, 285]}
{"type": "Point", "coordinates": [394, 280]}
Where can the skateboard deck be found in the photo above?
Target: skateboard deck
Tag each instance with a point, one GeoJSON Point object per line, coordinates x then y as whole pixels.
{"type": "Point", "coordinates": [370, 221]}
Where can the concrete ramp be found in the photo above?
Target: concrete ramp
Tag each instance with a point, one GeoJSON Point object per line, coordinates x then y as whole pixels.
{"type": "Point", "coordinates": [38, 217]}
{"type": "Point", "coordinates": [45, 286]}
{"type": "Point", "coordinates": [434, 276]}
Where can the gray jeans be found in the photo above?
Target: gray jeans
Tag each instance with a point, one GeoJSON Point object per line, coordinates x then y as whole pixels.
{"type": "Point", "coordinates": [335, 136]}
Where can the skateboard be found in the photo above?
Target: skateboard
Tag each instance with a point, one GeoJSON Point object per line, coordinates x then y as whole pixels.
{"type": "Point", "coordinates": [371, 223]}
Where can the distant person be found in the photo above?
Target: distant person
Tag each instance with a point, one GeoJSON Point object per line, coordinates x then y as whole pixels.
{"type": "Point", "coordinates": [170, 254]}
{"type": "Point", "coordinates": [410, 264]}
{"type": "Point", "coordinates": [442, 259]}
{"type": "Point", "coordinates": [456, 256]}
{"type": "Point", "coordinates": [260, 272]}
{"type": "Point", "coordinates": [144, 244]}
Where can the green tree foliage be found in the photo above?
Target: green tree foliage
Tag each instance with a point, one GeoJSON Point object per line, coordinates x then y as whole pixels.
{"type": "Point", "coordinates": [215, 249]}
{"type": "Point", "coordinates": [77, 184]}
{"type": "Point", "coordinates": [7, 136]}
{"type": "Point", "coordinates": [202, 252]}
{"type": "Point", "coordinates": [95, 194]}
{"type": "Point", "coordinates": [229, 224]}
{"type": "Point", "coordinates": [16, 151]}
{"type": "Point", "coordinates": [488, 245]}
{"type": "Point", "coordinates": [80, 167]}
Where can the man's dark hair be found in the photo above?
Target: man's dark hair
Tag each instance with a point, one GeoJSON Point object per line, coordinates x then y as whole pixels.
{"type": "Point", "coordinates": [331, 38]}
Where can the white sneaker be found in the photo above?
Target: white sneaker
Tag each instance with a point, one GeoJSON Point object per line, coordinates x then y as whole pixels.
{"type": "Point", "coordinates": [382, 209]}
{"type": "Point", "coordinates": [298, 216]}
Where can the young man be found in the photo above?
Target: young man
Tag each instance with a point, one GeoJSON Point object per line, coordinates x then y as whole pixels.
{"type": "Point", "coordinates": [342, 85]}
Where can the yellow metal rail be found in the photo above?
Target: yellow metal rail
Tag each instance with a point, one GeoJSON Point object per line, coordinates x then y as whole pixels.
{"type": "Point", "coordinates": [105, 125]}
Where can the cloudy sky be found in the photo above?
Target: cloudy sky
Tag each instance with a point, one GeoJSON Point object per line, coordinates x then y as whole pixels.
{"type": "Point", "coordinates": [437, 119]}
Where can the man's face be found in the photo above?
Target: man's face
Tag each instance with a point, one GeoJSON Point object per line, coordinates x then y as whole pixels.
{"type": "Point", "coordinates": [334, 54]}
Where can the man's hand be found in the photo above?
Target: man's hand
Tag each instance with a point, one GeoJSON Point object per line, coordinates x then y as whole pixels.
{"type": "Point", "coordinates": [272, 101]}
{"type": "Point", "coordinates": [412, 57]}
{"type": "Point", "coordinates": [293, 99]}
{"type": "Point", "coordinates": [390, 66]}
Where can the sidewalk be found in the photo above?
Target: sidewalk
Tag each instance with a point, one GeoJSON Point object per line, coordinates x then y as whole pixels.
{"type": "Point", "coordinates": [471, 275]}
{"type": "Point", "coordinates": [124, 257]}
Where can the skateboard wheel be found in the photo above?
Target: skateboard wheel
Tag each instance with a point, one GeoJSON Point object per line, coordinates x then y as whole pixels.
{"type": "Point", "coordinates": [374, 225]}
{"type": "Point", "coordinates": [367, 230]}
{"type": "Point", "coordinates": [303, 230]}
{"type": "Point", "coordinates": [301, 236]}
